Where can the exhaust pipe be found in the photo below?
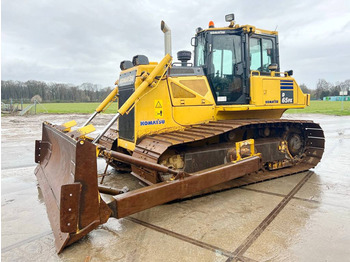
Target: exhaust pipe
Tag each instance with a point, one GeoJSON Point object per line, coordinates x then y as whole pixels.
{"type": "Point", "coordinates": [167, 37]}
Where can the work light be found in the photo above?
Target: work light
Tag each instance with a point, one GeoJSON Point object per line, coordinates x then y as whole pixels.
{"type": "Point", "coordinates": [229, 17]}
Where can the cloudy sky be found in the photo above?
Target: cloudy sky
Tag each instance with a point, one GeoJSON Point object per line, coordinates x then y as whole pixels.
{"type": "Point", "coordinates": [79, 41]}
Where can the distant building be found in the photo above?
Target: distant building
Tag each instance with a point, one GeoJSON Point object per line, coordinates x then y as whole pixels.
{"type": "Point", "coordinates": [336, 98]}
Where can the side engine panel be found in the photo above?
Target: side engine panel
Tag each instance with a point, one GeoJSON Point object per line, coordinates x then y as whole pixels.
{"type": "Point", "coordinates": [126, 122]}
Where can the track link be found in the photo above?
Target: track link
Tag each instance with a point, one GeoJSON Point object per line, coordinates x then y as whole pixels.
{"type": "Point", "coordinates": [151, 148]}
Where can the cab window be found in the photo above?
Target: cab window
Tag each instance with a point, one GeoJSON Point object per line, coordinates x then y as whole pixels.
{"type": "Point", "coordinates": [200, 52]}
{"type": "Point", "coordinates": [261, 54]}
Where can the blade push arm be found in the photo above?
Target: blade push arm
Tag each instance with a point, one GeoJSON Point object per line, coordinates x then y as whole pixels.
{"type": "Point", "coordinates": [104, 103]}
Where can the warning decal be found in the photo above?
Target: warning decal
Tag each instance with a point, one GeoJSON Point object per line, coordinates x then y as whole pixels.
{"type": "Point", "coordinates": [158, 108]}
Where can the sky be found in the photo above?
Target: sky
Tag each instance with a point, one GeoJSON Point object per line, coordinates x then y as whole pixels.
{"type": "Point", "coordinates": [80, 41]}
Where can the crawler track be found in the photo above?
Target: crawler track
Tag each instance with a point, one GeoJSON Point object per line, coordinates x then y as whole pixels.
{"type": "Point", "coordinates": [151, 148]}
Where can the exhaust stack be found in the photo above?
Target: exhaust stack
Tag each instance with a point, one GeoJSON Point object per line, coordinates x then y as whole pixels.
{"type": "Point", "coordinates": [167, 37]}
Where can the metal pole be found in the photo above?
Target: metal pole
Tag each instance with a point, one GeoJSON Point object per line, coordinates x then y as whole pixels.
{"type": "Point", "coordinates": [342, 98]}
{"type": "Point", "coordinates": [114, 119]}
{"type": "Point", "coordinates": [104, 103]}
{"type": "Point", "coordinates": [167, 37]}
{"type": "Point", "coordinates": [110, 190]}
{"type": "Point", "coordinates": [140, 162]}
{"type": "Point", "coordinates": [90, 118]}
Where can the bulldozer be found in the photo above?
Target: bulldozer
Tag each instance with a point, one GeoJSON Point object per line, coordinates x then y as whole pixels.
{"type": "Point", "coordinates": [183, 129]}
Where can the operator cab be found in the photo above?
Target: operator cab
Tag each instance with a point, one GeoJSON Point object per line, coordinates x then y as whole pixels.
{"type": "Point", "coordinates": [230, 54]}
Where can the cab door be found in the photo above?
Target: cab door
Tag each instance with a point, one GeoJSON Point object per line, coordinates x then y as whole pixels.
{"type": "Point", "coordinates": [226, 68]}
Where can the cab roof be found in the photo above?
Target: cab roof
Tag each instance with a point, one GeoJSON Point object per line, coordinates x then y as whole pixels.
{"type": "Point", "coordinates": [245, 28]}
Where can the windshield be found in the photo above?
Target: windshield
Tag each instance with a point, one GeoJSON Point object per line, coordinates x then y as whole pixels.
{"type": "Point", "coordinates": [226, 53]}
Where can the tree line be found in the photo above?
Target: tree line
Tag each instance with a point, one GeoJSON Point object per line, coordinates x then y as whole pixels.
{"type": "Point", "coordinates": [324, 89]}
{"type": "Point", "coordinates": [88, 92]}
{"type": "Point", "coordinates": [52, 92]}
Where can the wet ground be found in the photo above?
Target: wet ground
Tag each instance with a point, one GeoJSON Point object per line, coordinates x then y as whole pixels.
{"type": "Point", "coordinates": [304, 217]}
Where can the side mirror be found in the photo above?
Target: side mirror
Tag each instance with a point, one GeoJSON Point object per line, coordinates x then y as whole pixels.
{"type": "Point", "coordinates": [288, 73]}
{"type": "Point", "coordinates": [194, 41]}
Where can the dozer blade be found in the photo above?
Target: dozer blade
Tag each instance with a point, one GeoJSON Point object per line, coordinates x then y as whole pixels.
{"type": "Point", "coordinates": [67, 176]}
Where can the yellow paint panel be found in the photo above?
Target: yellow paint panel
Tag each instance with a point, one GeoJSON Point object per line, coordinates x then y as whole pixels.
{"type": "Point", "coordinates": [86, 129]}
{"type": "Point", "coordinates": [190, 115]}
{"type": "Point", "coordinates": [265, 92]}
{"type": "Point", "coordinates": [271, 91]}
{"type": "Point", "coordinates": [150, 118]}
{"type": "Point", "coordinates": [190, 91]}
{"type": "Point", "coordinates": [68, 125]}
{"type": "Point", "coordinates": [249, 114]}
{"type": "Point", "coordinates": [126, 144]}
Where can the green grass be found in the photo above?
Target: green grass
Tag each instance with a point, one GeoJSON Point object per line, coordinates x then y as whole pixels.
{"type": "Point", "coordinates": [71, 108]}
{"type": "Point", "coordinates": [324, 107]}
{"type": "Point", "coordinates": [316, 107]}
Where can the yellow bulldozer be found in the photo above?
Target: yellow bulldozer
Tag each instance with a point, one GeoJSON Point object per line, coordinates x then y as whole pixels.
{"type": "Point", "coordinates": [182, 128]}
